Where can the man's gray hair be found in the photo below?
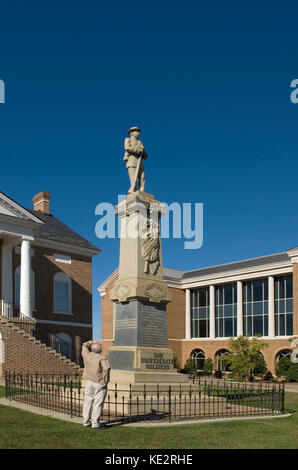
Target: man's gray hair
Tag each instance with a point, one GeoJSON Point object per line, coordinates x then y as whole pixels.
{"type": "Point", "coordinates": [96, 348]}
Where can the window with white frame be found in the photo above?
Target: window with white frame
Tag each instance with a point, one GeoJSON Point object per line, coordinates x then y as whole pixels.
{"type": "Point", "coordinates": [255, 307]}
{"type": "Point", "coordinates": [226, 310]}
{"type": "Point", "coordinates": [283, 296]}
{"type": "Point", "coordinates": [62, 293]}
{"type": "Point", "coordinates": [200, 312]}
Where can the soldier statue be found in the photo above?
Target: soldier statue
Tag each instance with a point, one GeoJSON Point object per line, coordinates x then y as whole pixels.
{"type": "Point", "coordinates": [134, 156]}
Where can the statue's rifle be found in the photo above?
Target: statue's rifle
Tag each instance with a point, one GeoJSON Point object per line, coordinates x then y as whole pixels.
{"type": "Point", "coordinates": [137, 172]}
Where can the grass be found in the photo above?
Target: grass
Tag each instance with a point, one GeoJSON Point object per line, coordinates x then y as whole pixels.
{"type": "Point", "coordinates": [23, 430]}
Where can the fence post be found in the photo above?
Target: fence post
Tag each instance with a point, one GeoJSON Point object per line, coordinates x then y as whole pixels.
{"type": "Point", "coordinates": [170, 401]}
{"type": "Point", "coordinates": [71, 398]}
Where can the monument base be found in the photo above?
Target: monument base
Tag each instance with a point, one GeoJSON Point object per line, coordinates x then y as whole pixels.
{"type": "Point", "coordinates": [138, 379]}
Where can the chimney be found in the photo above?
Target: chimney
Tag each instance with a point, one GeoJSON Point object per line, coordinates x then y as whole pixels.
{"type": "Point", "coordinates": [41, 202]}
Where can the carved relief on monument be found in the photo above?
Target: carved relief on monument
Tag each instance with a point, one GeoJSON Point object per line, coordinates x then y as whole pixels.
{"type": "Point", "coordinates": [122, 291]}
{"type": "Point", "coordinates": [155, 292]}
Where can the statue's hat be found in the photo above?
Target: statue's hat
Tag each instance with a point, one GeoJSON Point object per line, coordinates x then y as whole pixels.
{"type": "Point", "coordinates": [135, 128]}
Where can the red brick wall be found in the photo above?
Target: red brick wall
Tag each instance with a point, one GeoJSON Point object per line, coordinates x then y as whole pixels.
{"type": "Point", "coordinates": [24, 356]}
{"type": "Point", "coordinates": [80, 272]}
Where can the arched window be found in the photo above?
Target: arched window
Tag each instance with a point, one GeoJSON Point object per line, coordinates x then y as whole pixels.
{"type": "Point", "coordinates": [199, 357]}
{"type": "Point", "coordinates": [17, 284]}
{"type": "Point", "coordinates": [284, 353]}
{"type": "Point", "coordinates": [222, 365]}
{"type": "Point", "coordinates": [63, 344]}
{"type": "Point", "coordinates": [62, 293]}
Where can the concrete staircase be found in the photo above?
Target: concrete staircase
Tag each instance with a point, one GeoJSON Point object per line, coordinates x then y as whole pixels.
{"type": "Point", "coordinates": [26, 333]}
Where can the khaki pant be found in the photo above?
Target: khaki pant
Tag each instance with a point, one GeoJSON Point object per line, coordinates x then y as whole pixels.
{"type": "Point", "coordinates": [94, 395]}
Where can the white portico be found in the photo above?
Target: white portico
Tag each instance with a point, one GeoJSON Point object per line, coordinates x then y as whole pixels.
{"type": "Point", "coordinates": [17, 226]}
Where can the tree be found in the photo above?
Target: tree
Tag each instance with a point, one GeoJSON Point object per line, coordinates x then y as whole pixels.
{"type": "Point", "coordinates": [208, 366]}
{"type": "Point", "coordinates": [260, 365]}
{"type": "Point", "coordinates": [244, 356]}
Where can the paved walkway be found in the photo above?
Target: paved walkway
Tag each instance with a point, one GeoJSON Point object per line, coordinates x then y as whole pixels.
{"type": "Point", "coordinates": [291, 387]}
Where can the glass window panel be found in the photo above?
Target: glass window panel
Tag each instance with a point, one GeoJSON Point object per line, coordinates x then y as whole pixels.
{"type": "Point", "coordinates": [282, 306]}
{"type": "Point", "coordinates": [244, 292]}
{"type": "Point", "coordinates": [228, 310]}
{"type": "Point", "coordinates": [289, 305]}
{"type": "Point", "coordinates": [265, 326]}
{"type": "Point", "coordinates": [61, 297]}
{"type": "Point", "coordinates": [265, 284]}
{"type": "Point", "coordinates": [282, 325]}
{"type": "Point", "coordinates": [228, 294]}
{"type": "Point", "coordinates": [257, 308]}
{"type": "Point", "coordinates": [276, 287]}
{"type": "Point", "coordinates": [281, 287]}
{"type": "Point", "coordinates": [220, 295]}
{"type": "Point", "coordinates": [276, 306]}
{"type": "Point", "coordinates": [228, 327]}
{"type": "Point", "coordinates": [289, 320]}
{"type": "Point", "coordinates": [277, 325]}
{"type": "Point", "coordinates": [258, 290]}
{"type": "Point", "coordinates": [203, 297]}
{"type": "Point", "coordinates": [249, 291]}
{"type": "Point", "coordinates": [202, 329]}
{"type": "Point", "coordinates": [258, 325]}
{"type": "Point", "coordinates": [249, 326]}
{"type": "Point", "coordinates": [194, 299]}
{"type": "Point", "coordinates": [266, 307]}
{"type": "Point", "coordinates": [289, 286]}
{"type": "Point", "coordinates": [249, 309]}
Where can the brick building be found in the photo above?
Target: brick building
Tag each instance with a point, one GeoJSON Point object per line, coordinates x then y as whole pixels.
{"type": "Point", "coordinates": [46, 288]}
{"type": "Point", "coordinates": [210, 305]}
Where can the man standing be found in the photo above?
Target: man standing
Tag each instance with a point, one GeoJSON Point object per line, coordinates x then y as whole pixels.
{"type": "Point", "coordinates": [97, 375]}
{"type": "Point", "coordinates": [134, 150]}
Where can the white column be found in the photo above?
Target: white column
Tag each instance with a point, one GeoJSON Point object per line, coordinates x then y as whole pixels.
{"type": "Point", "coordinates": [212, 312]}
{"type": "Point", "coordinates": [271, 309]}
{"type": "Point", "coordinates": [7, 279]}
{"type": "Point", "coordinates": [239, 309]}
{"type": "Point", "coordinates": [25, 294]}
{"type": "Point", "coordinates": [187, 315]}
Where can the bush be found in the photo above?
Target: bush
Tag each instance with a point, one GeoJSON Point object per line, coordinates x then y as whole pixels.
{"type": "Point", "coordinates": [190, 366]}
{"type": "Point", "coordinates": [283, 366]}
{"type": "Point", "coordinates": [176, 363]}
{"type": "Point", "coordinates": [260, 366]}
{"type": "Point", "coordinates": [208, 366]}
{"type": "Point", "coordinates": [292, 373]}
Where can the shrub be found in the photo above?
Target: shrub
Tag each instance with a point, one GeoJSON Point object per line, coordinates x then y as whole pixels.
{"type": "Point", "coordinates": [176, 363]}
{"type": "Point", "coordinates": [292, 373]}
{"type": "Point", "coordinates": [208, 366]}
{"type": "Point", "coordinates": [260, 366]}
{"type": "Point", "coordinates": [190, 366]}
{"type": "Point", "coordinates": [283, 366]}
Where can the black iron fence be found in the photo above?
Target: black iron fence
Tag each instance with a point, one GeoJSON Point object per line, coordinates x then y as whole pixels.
{"type": "Point", "coordinates": [207, 398]}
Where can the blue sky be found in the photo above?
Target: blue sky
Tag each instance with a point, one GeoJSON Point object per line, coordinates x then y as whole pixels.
{"type": "Point", "coordinates": [209, 85]}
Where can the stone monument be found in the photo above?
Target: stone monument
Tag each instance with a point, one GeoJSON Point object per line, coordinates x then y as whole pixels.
{"type": "Point", "coordinates": [140, 354]}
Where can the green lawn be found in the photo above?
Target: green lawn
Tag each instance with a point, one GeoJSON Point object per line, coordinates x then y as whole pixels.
{"type": "Point", "coordinates": [24, 430]}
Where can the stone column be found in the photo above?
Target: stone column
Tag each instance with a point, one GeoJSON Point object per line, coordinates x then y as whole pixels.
{"type": "Point", "coordinates": [25, 295]}
{"type": "Point", "coordinates": [212, 312]}
{"type": "Point", "coordinates": [187, 315]}
{"type": "Point", "coordinates": [271, 309]}
{"type": "Point", "coordinates": [239, 309]}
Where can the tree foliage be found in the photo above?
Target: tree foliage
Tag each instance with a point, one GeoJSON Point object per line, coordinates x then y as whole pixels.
{"type": "Point", "coordinates": [245, 357]}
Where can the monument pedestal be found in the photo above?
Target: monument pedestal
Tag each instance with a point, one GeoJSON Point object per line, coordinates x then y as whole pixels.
{"type": "Point", "coordinates": [140, 356]}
